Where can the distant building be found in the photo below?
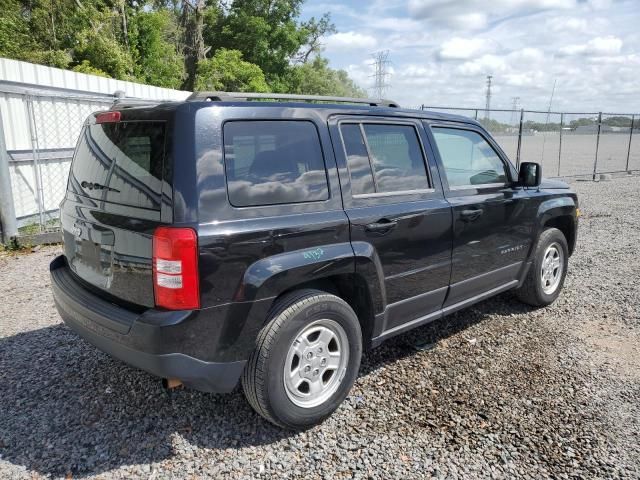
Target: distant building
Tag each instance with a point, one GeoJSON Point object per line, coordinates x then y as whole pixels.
{"type": "Point", "coordinates": [593, 129]}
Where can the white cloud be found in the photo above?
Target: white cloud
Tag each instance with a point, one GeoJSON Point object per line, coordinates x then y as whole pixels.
{"type": "Point", "coordinates": [462, 48]}
{"type": "Point", "coordinates": [599, 46]}
{"type": "Point", "coordinates": [572, 24]}
{"type": "Point", "coordinates": [349, 40]}
{"type": "Point", "coordinates": [469, 21]}
{"type": "Point", "coordinates": [475, 14]}
{"type": "Point", "coordinates": [484, 65]}
{"type": "Point", "coordinates": [438, 57]}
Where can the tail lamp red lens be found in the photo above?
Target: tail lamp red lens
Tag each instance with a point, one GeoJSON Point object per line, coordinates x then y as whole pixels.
{"type": "Point", "coordinates": [108, 117]}
{"type": "Point", "coordinates": [175, 268]}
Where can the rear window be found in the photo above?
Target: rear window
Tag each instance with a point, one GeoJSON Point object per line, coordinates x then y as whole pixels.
{"type": "Point", "coordinates": [120, 162]}
{"type": "Point", "coordinates": [273, 162]}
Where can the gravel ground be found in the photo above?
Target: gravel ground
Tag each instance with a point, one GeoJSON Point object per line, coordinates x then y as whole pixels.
{"type": "Point", "coordinates": [498, 390]}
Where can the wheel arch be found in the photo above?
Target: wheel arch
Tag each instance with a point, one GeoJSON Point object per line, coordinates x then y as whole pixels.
{"type": "Point", "coordinates": [334, 269]}
{"type": "Point", "coordinates": [559, 213]}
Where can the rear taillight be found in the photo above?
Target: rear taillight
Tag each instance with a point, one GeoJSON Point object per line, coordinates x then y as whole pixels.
{"type": "Point", "coordinates": [175, 268]}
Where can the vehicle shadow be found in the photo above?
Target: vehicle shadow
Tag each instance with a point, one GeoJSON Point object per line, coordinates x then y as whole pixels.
{"type": "Point", "coordinates": [68, 408]}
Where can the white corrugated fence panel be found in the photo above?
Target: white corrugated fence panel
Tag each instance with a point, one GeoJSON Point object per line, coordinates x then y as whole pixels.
{"type": "Point", "coordinates": [43, 76]}
{"type": "Point", "coordinates": [61, 100]}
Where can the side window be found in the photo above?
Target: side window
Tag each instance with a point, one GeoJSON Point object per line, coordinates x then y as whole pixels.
{"type": "Point", "coordinates": [467, 158]}
{"type": "Point", "coordinates": [273, 162]}
{"type": "Point", "coordinates": [392, 151]}
{"type": "Point", "coordinates": [358, 159]}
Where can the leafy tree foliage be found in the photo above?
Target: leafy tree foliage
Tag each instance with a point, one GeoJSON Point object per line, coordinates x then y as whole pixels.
{"type": "Point", "coordinates": [317, 78]}
{"type": "Point", "coordinates": [246, 45]}
{"type": "Point", "coordinates": [228, 72]}
{"type": "Point", "coordinates": [156, 39]}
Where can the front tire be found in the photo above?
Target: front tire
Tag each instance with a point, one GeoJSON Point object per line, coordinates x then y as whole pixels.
{"type": "Point", "coordinates": [546, 275]}
{"type": "Point", "coordinates": [305, 361]}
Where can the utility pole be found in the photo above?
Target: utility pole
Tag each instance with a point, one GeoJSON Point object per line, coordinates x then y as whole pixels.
{"type": "Point", "coordinates": [381, 61]}
{"type": "Point", "coordinates": [487, 113]}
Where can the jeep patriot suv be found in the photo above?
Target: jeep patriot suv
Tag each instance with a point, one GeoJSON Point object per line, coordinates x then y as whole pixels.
{"type": "Point", "coordinates": [269, 238]}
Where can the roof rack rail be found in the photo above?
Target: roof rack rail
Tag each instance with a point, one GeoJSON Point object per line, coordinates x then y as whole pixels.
{"type": "Point", "coordinates": [240, 96]}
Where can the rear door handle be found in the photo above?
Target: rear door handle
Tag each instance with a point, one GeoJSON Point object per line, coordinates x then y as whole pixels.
{"type": "Point", "coordinates": [383, 225]}
{"type": "Point", "coordinates": [471, 215]}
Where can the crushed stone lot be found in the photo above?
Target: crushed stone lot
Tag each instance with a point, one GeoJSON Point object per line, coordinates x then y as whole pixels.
{"type": "Point", "coordinates": [499, 390]}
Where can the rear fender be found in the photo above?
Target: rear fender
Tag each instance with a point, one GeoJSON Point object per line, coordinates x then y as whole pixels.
{"type": "Point", "coordinates": [270, 276]}
{"type": "Point", "coordinates": [368, 265]}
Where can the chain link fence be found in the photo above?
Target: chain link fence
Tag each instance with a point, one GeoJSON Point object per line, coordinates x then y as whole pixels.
{"type": "Point", "coordinates": [565, 144]}
{"type": "Point", "coordinates": [39, 133]}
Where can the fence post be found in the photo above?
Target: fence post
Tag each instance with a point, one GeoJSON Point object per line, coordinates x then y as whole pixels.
{"type": "Point", "coordinates": [422, 107]}
{"type": "Point", "coordinates": [633, 117]}
{"type": "Point", "coordinates": [519, 138]}
{"type": "Point", "coordinates": [7, 209]}
{"type": "Point", "coordinates": [560, 140]}
{"type": "Point", "coordinates": [476, 115]}
{"type": "Point", "coordinates": [35, 148]}
{"type": "Point", "coordinates": [595, 162]}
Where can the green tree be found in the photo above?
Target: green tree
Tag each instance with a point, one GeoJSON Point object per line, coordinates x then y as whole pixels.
{"type": "Point", "coordinates": [268, 33]}
{"type": "Point", "coordinates": [14, 31]}
{"type": "Point", "coordinates": [235, 45]}
{"type": "Point", "coordinates": [100, 45]}
{"type": "Point", "coordinates": [52, 58]}
{"type": "Point", "coordinates": [226, 70]}
{"type": "Point", "coordinates": [85, 67]}
{"type": "Point", "coordinates": [316, 78]}
{"type": "Point", "coordinates": [154, 36]}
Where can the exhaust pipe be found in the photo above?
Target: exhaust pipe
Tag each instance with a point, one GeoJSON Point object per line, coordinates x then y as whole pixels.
{"type": "Point", "coordinates": [171, 383]}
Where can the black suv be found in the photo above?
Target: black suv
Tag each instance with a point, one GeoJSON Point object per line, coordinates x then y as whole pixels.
{"type": "Point", "coordinates": [271, 238]}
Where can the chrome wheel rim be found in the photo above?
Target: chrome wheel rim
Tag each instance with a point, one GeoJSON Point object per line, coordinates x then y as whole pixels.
{"type": "Point", "coordinates": [316, 363]}
{"type": "Point", "coordinates": [551, 269]}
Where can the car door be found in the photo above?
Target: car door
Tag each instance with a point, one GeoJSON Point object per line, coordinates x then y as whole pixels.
{"type": "Point", "coordinates": [492, 217]}
{"type": "Point", "coordinates": [396, 208]}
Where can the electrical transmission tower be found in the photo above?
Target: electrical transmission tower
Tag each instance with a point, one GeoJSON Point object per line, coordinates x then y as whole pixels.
{"type": "Point", "coordinates": [515, 106]}
{"type": "Point", "coordinates": [381, 62]}
{"type": "Point", "coordinates": [487, 113]}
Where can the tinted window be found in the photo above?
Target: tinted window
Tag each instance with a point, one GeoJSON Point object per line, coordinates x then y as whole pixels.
{"type": "Point", "coordinates": [272, 162]}
{"type": "Point", "coordinates": [358, 160]}
{"type": "Point", "coordinates": [120, 162]}
{"type": "Point", "coordinates": [467, 158]}
{"type": "Point", "coordinates": [396, 157]}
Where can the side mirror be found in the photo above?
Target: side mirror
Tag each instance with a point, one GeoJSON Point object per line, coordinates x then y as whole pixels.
{"type": "Point", "coordinates": [530, 174]}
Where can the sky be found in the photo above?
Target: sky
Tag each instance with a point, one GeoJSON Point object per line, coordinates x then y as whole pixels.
{"type": "Point", "coordinates": [441, 51]}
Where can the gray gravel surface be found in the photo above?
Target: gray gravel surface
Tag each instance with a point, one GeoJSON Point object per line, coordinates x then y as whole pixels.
{"type": "Point", "coordinates": [499, 390]}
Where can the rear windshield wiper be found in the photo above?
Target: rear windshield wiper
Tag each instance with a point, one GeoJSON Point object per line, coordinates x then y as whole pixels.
{"type": "Point", "coordinates": [97, 186]}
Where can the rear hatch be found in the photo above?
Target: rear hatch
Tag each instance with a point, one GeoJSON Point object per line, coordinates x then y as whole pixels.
{"type": "Point", "coordinates": [118, 193]}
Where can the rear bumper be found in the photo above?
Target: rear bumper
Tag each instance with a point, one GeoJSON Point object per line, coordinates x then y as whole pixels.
{"type": "Point", "coordinates": [149, 341]}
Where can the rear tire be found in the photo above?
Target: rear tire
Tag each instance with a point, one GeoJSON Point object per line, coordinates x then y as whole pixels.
{"type": "Point", "coordinates": [306, 359]}
{"type": "Point", "coordinates": [546, 275]}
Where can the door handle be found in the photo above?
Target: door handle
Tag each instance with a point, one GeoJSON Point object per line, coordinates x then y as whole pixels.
{"type": "Point", "coordinates": [383, 225]}
{"type": "Point", "coordinates": [471, 215]}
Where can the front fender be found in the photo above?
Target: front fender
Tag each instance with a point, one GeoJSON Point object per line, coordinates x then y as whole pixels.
{"type": "Point", "coordinates": [270, 276]}
{"type": "Point", "coordinates": [565, 206]}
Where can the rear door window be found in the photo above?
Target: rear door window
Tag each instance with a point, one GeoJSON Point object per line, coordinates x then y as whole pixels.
{"type": "Point", "coordinates": [387, 159]}
{"type": "Point", "coordinates": [121, 163]}
{"type": "Point", "coordinates": [273, 162]}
